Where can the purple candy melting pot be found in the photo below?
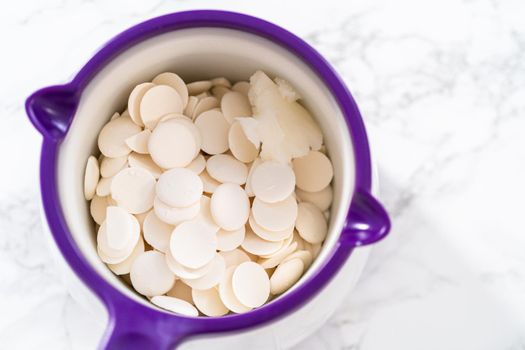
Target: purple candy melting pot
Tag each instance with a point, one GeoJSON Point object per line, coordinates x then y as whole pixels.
{"type": "Point", "coordinates": [132, 324]}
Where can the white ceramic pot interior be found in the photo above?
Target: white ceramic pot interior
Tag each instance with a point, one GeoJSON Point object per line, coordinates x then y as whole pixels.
{"type": "Point", "coordinates": [194, 54]}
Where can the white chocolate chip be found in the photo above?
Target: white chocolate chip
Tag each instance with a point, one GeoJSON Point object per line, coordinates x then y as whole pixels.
{"type": "Point", "coordinates": [285, 243]}
{"type": "Point", "coordinates": [174, 215]}
{"type": "Point", "coordinates": [313, 172]}
{"type": "Point", "coordinates": [272, 181]}
{"type": "Point", "coordinates": [109, 167]}
{"type": "Point", "coordinates": [182, 291]}
{"type": "Point", "coordinates": [311, 223]}
{"type": "Point", "coordinates": [91, 176]}
{"type": "Point", "coordinates": [174, 81]}
{"type": "Point", "coordinates": [198, 87]}
{"type": "Point", "coordinates": [150, 275]}
{"type": "Point", "coordinates": [212, 277]}
{"type": "Point", "coordinates": [134, 189]}
{"type": "Point", "coordinates": [258, 246]}
{"type": "Point", "coordinates": [104, 187]}
{"type": "Point", "coordinates": [157, 102]}
{"type": "Point", "coordinates": [209, 183]}
{"type": "Point", "coordinates": [139, 142]}
{"type": "Point", "coordinates": [276, 258]}
{"type": "Point", "coordinates": [235, 104]}
{"type": "Point", "coordinates": [230, 240]}
{"type": "Point", "coordinates": [197, 165]}
{"type": "Point", "coordinates": [112, 137]}
{"type": "Point", "coordinates": [179, 187]}
{"type": "Point", "coordinates": [286, 275]}
{"type": "Point", "coordinates": [214, 131]}
{"type": "Point", "coordinates": [172, 144]}
{"type": "Point", "coordinates": [174, 116]}
{"type": "Point", "coordinates": [184, 272]}
{"type": "Point", "coordinates": [315, 249]}
{"type": "Point", "coordinates": [124, 267]}
{"type": "Point", "coordinates": [191, 126]}
{"type": "Point", "coordinates": [141, 217]}
{"type": "Point", "coordinates": [221, 81]}
{"type": "Point", "coordinates": [275, 216]}
{"type": "Point", "coordinates": [234, 257]}
{"type": "Point", "coordinates": [209, 302]}
{"type": "Point", "coordinates": [226, 294]}
{"type": "Point", "coordinates": [138, 160]}
{"type": "Point", "coordinates": [321, 199]}
{"type": "Point", "coordinates": [304, 255]}
{"type": "Point", "coordinates": [251, 284]}
{"type": "Point", "coordinates": [250, 127]}
{"type": "Point", "coordinates": [117, 236]}
{"type": "Point", "coordinates": [204, 214]}
{"type": "Point", "coordinates": [178, 306]}
{"type": "Point", "coordinates": [219, 91]}
{"type": "Point", "coordinates": [206, 104]}
{"type": "Point", "coordinates": [134, 102]}
{"type": "Point", "coordinates": [122, 229]}
{"type": "Point", "coordinates": [98, 206]}
{"type": "Point", "coordinates": [225, 168]}
{"type": "Point", "coordinates": [193, 244]}
{"type": "Point", "coordinates": [242, 148]}
{"type": "Point", "coordinates": [190, 107]}
{"type": "Point", "coordinates": [242, 87]}
{"type": "Point", "coordinates": [248, 187]}
{"type": "Point", "coordinates": [273, 236]}
{"type": "Point", "coordinates": [156, 232]}
{"type": "Point", "coordinates": [230, 206]}
{"type": "Point", "coordinates": [301, 243]}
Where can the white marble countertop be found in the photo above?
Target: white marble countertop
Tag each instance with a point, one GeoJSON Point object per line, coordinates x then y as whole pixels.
{"type": "Point", "coordinates": [441, 85]}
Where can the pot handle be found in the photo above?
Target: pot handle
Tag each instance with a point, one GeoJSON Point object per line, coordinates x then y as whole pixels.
{"type": "Point", "coordinates": [367, 221]}
{"type": "Point", "coordinates": [137, 328]}
{"type": "Point", "coordinates": [51, 110]}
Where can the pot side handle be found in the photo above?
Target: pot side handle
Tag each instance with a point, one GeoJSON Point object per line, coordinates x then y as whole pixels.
{"type": "Point", "coordinates": [137, 328]}
{"type": "Point", "coordinates": [117, 338]}
{"type": "Point", "coordinates": [51, 110]}
{"type": "Point", "coordinates": [367, 221]}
